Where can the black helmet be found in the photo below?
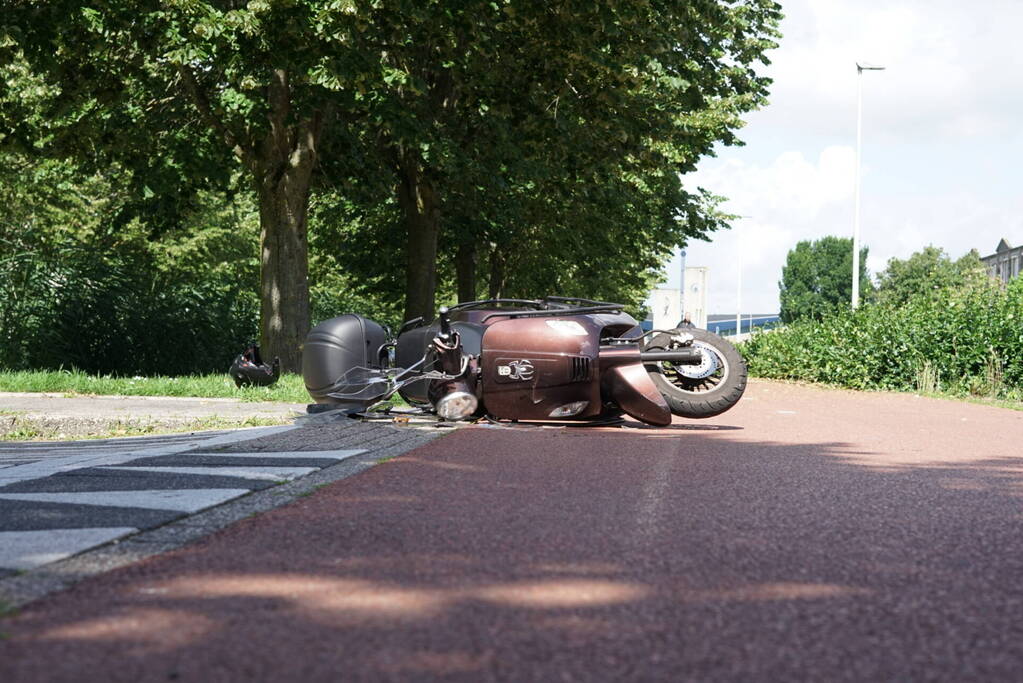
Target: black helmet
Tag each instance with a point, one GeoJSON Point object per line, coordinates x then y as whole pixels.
{"type": "Point", "coordinates": [249, 369]}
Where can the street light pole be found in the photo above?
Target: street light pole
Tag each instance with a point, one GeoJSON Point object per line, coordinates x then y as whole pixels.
{"type": "Point", "coordinates": [860, 68]}
{"type": "Point", "coordinates": [682, 296]}
{"type": "Point", "coordinates": [738, 278]}
{"type": "Point", "coordinates": [738, 288]}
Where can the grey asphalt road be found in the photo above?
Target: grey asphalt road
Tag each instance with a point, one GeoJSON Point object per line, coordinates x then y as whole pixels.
{"type": "Point", "coordinates": [808, 534]}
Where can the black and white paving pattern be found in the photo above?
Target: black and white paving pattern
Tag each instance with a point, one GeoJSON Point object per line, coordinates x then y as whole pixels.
{"type": "Point", "coordinates": [24, 452]}
{"type": "Point", "coordinates": [60, 499]}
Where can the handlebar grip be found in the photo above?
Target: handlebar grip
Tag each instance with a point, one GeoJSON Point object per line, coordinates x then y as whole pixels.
{"type": "Point", "coordinates": [445, 323]}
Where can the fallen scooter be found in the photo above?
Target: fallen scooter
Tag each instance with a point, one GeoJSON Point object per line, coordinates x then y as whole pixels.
{"type": "Point", "coordinates": [542, 360]}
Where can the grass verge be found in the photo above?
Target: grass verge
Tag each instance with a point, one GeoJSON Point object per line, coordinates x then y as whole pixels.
{"type": "Point", "coordinates": [289, 388]}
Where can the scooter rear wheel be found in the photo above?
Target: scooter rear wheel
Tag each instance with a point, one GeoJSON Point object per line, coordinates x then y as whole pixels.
{"type": "Point", "coordinates": [698, 391]}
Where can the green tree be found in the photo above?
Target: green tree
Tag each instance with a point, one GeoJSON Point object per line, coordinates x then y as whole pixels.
{"type": "Point", "coordinates": [187, 95]}
{"type": "Point", "coordinates": [817, 277]}
{"type": "Point", "coordinates": [927, 271]}
{"type": "Point", "coordinates": [544, 143]}
{"type": "Point", "coordinates": [561, 126]}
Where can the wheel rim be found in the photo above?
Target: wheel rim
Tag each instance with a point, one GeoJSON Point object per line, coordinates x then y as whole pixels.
{"type": "Point", "coordinates": [699, 379]}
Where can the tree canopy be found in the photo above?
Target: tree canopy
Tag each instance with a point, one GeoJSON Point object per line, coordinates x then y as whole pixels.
{"type": "Point", "coordinates": [817, 276]}
{"type": "Point", "coordinates": [476, 148]}
{"type": "Point", "coordinates": [188, 95]}
{"type": "Point", "coordinates": [927, 271]}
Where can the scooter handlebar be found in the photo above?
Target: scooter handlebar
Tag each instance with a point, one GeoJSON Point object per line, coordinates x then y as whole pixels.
{"type": "Point", "coordinates": [684, 356]}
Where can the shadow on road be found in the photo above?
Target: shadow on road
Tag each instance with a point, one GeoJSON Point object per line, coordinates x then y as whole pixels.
{"type": "Point", "coordinates": [550, 555]}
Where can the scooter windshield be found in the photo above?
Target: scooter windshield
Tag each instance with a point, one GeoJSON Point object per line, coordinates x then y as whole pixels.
{"type": "Point", "coordinates": [370, 384]}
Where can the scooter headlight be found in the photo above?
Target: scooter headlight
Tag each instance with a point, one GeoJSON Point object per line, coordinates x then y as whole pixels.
{"type": "Point", "coordinates": [457, 406]}
{"type": "Point", "coordinates": [457, 403]}
{"type": "Point", "coordinates": [570, 409]}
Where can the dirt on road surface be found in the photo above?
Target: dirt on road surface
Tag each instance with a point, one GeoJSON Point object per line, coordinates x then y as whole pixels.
{"type": "Point", "coordinates": [808, 534]}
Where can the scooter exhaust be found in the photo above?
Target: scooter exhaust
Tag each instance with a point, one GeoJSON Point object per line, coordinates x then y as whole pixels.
{"type": "Point", "coordinates": [685, 356]}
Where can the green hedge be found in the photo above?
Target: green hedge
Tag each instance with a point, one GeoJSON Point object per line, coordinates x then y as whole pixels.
{"type": "Point", "coordinates": [966, 339]}
{"type": "Point", "coordinates": [111, 313]}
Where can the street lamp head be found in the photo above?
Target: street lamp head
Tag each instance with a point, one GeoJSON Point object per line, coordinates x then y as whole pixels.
{"type": "Point", "coordinates": [867, 66]}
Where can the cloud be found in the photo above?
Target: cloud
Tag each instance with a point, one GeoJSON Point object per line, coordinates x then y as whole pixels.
{"type": "Point", "coordinates": [790, 199]}
{"type": "Point", "coordinates": [941, 140]}
{"type": "Point", "coordinates": [790, 186]}
{"type": "Point", "coordinates": [946, 66]}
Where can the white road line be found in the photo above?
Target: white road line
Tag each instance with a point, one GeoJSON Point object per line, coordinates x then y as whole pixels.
{"type": "Point", "coordinates": [29, 549]}
{"type": "Point", "coordinates": [15, 463]}
{"type": "Point", "coordinates": [182, 500]}
{"type": "Point", "coordinates": [122, 443]}
{"type": "Point", "coordinates": [261, 473]}
{"type": "Point", "coordinates": [284, 455]}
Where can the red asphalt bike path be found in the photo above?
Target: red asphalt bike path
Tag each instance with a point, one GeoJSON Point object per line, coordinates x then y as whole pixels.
{"type": "Point", "coordinates": [808, 534]}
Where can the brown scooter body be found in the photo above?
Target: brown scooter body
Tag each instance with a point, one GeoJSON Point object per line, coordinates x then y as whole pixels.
{"type": "Point", "coordinates": [531, 369]}
{"type": "Point", "coordinates": [549, 360]}
{"type": "Point", "coordinates": [553, 364]}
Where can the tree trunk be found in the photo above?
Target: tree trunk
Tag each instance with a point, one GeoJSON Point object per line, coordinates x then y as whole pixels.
{"type": "Point", "coordinates": [465, 272]}
{"type": "Point", "coordinates": [497, 274]}
{"type": "Point", "coordinates": [284, 267]}
{"type": "Point", "coordinates": [422, 223]}
{"type": "Point", "coordinates": [284, 166]}
{"type": "Point", "coordinates": [280, 167]}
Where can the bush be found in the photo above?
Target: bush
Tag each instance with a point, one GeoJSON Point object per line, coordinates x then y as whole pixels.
{"type": "Point", "coordinates": [965, 340]}
{"type": "Point", "coordinates": [117, 313]}
{"type": "Point", "coordinates": [83, 287]}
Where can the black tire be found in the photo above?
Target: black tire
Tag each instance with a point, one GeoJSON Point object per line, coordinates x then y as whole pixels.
{"type": "Point", "coordinates": [698, 391]}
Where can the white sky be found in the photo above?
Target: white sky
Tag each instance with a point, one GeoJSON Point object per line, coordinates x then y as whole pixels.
{"type": "Point", "coordinates": [941, 139]}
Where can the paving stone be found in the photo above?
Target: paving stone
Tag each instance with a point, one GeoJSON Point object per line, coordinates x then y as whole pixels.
{"type": "Point", "coordinates": [105, 558]}
{"type": "Point", "coordinates": [25, 515]}
{"type": "Point", "coordinates": [182, 500]}
{"type": "Point", "coordinates": [96, 479]}
{"type": "Point", "coordinates": [236, 459]}
{"type": "Point", "coordinates": [276, 474]}
{"type": "Point", "coordinates": [289, 446]}
{"type": "Point", "coordinates": [29, 549]}
{"type": "Point", "coordinates": [176, 534]}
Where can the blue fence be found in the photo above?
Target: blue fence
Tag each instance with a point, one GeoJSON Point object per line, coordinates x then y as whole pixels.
{"type": "Point", "coordinates": [727, 327]}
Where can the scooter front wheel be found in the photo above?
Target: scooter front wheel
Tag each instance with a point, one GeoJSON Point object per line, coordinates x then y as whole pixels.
{"type": "Point", "coordinates": [701, 390]}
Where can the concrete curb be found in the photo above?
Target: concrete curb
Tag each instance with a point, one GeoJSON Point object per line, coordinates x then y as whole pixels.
{"type": "Point", "coordinates": [61, 428]}
{"type": "Point", "coordinates": [34, 416]}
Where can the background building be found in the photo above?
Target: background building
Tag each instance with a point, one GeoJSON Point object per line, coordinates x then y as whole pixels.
{"type": "Point", "coordinates": [669, 306]}
{"type": "Point", "coordinates": [1006, 263]}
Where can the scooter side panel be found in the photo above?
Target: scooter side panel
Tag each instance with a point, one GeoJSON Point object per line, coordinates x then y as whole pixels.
{"type": "Point", "coordinates": [531, 368]}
